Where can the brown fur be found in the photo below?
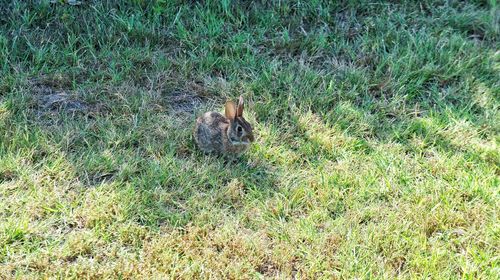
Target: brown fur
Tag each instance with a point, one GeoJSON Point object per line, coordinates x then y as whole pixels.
{"type": "Point", "coordinates": [215, 133]}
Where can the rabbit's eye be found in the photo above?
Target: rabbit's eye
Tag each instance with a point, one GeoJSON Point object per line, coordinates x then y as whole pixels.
{"type": "Point", "coordinates": [239, 128]}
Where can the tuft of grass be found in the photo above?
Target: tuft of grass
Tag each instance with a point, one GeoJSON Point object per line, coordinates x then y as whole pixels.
{"type": "Point", "coordinates": [376, 155]}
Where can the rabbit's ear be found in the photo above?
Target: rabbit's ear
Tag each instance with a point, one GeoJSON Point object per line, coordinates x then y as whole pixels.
{"type": "Point", "coordinates": [239, 111]}
{"type": "Point", "coordinates": [230, 110]}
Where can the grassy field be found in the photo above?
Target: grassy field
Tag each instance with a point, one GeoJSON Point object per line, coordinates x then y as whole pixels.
{"type": "Point", "coordinates": [377, 149]}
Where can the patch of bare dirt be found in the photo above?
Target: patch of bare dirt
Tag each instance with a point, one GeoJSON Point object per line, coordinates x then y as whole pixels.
{"type": "Point", "coordinates": [268, 269]}
{"type": "Point", "coordinates": [184, 101]}
{"type": "Point", "coordinates": [7, 175]}
{"type": "Point", "coordinates": [51, 101]}
{"type": "Point", "coordinates": [187, 98]}
{"type": "Point", "coordinates": [52, 97]}
{"type": "Point", "coordinates": [172, 92]}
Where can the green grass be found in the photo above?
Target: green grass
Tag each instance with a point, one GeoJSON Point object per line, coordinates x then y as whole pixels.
{"type": "Point", "coordinates": [376, 156]}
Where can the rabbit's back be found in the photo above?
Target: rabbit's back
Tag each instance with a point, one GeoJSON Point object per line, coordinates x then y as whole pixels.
{"type": "Point", "coordinates": [209, 132]}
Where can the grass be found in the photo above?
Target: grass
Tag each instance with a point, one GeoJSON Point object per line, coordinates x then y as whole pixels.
{"type": "Point", "coordinates": [377, 140]}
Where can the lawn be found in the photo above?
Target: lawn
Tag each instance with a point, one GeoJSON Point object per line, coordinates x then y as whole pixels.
{"type": "Point", "coordinates": [377, 140]}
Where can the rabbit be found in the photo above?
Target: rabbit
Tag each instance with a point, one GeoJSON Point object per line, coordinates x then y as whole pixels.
{"type": "Point", "coordinates": [226, 135]}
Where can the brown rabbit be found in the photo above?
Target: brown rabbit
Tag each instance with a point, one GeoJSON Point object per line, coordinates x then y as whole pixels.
{"type": "Point", "coordinates": [229, 135]}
